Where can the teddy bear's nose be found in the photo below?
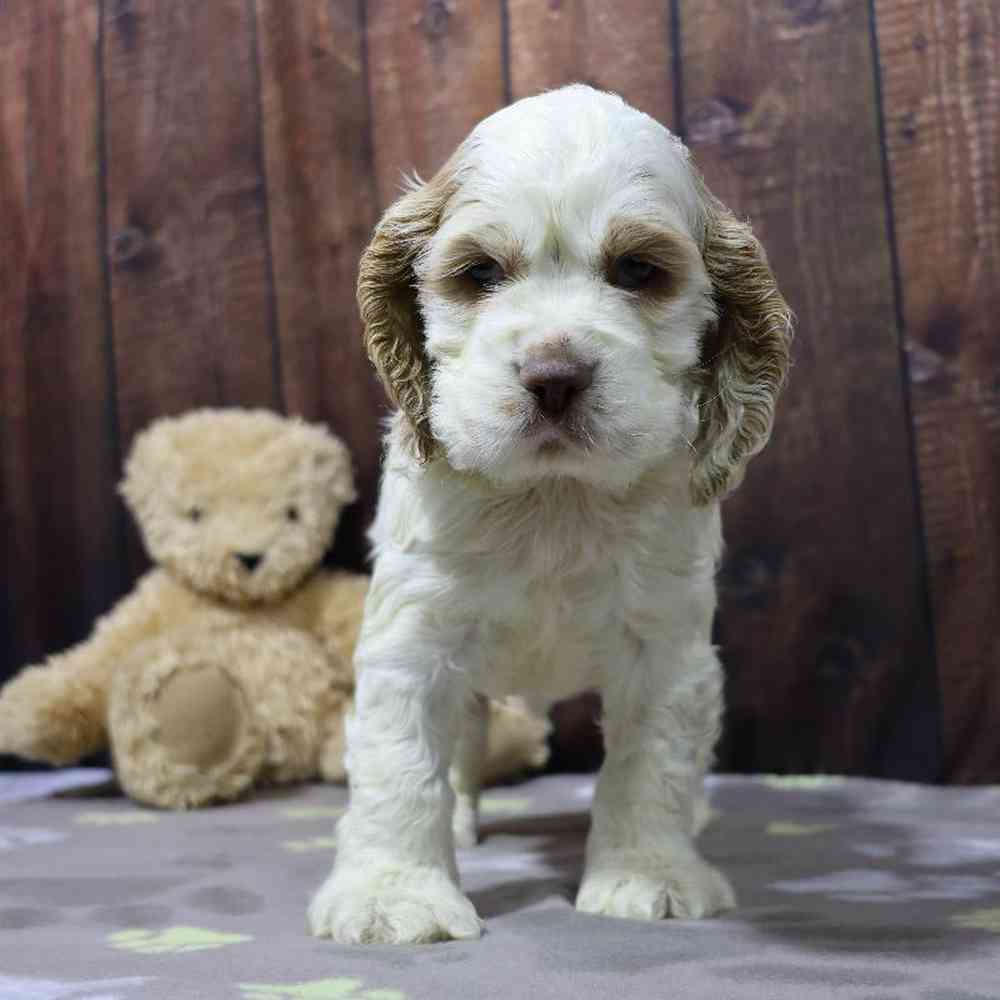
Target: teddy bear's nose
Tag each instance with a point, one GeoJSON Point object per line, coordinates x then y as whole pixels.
{"type": "Point", "coordinates": [251, 560]}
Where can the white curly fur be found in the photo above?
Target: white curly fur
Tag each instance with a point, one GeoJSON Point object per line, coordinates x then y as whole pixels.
{"type": "Point", "coordinates": [503, 566]}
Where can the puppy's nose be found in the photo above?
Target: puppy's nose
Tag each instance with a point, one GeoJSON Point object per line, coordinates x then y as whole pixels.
{"type": "Point", "coordinates": [251, 560]}
{"type": "Point", "coordinates": [555, 382]}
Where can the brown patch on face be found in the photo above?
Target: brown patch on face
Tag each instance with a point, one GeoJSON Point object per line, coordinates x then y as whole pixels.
{"type": "Point", "coordinates": [450, 274]}
{"type": "Point", "coordinates": [666, 251]}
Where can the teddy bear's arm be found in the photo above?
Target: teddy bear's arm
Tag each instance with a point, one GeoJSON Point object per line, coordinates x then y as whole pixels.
{"type": "Point", "coordinates": [331, 606]}
{"type": "Point", "coordinates": [56, 712]}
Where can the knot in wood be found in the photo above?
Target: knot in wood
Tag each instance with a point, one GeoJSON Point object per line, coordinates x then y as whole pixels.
{"type": "Point", "coordinates": [840, 661]}
{"type": "Point", "coordinates": [716, 120]}
{"type": "Point", "coordinates": [747, 577]}
{"type": "Point", "coordinates": [437, 14]}
{"type": "Point", "coordinates": [806, 12]}
{"type": "Point", "coordinates": [128, 245]}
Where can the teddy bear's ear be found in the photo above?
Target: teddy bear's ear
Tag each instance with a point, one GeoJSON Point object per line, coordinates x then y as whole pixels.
{"type": "Point", "coordinates": [330, 463]}
{"type": "Point", "coordinates": [151, 455]}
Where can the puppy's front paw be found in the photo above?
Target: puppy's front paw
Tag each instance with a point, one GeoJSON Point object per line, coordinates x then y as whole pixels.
{"type": "Point", "coordinates": [689, 891]}
{"type": "Point", "coordinates": [404, 906]}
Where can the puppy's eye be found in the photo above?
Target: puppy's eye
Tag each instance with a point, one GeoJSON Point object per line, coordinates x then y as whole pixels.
{"type": "Point", "coordinates": [195, 514]}
{"type": "Point", "coordinates": [485, 273]}
{"type": "Point", "coordinates": [631, 273]}
{"type": "Point", "coordinates": [291, 513]}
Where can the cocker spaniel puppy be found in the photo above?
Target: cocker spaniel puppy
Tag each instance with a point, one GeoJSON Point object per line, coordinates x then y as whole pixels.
{"type": "Point", "coordinates": [585, 347]}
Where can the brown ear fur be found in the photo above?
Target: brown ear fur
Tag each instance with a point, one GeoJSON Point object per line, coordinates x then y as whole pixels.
{"type": "Point", "coordinates": [744, 359]}
{"type": "Point", "coordinates": [387, 298]}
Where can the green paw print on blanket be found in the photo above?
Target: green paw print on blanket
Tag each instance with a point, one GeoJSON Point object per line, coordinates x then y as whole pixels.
{"type": "Point", "coordinates": [341, 988]}
{"type": "Point", "coordinates": [496, 805]}
{"type": "Point", "coordinates": [310, 844]}
{"type": "Point", "coordinates": [808, 782]}
{"type": "Point", "coordinates": [781, 829]}
{"type": "Point", "coordinates": [172, 940]}
{"type": "Point", "coordinates": [314, 812]}
{"type": "Point", "coordinates": [980, 920]}
{"type": "Point", "coordinates": [117, 818]}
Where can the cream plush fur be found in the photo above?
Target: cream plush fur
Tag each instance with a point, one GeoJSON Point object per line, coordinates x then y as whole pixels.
{"type": "Point", "coordinates": [230, 663]}
{"type": "Point", "coordinates": [586, 348]}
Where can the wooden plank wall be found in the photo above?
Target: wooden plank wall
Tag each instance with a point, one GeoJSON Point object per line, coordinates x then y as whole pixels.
{"type": "Point", "coordinates": [940, 70]}
{"type": "Point", "coordinates": [185, 189]}
{"type": "Point", "coordinates": [779, 107]}
{"type": "Point", "coordinates": [59, 446]}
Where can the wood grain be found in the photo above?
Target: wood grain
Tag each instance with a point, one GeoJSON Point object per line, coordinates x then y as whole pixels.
{"type": "Point", "coordinates": [940, 66]}
{"type": "Point", "coordinates": [317, 146]}
{"type": "Point", "coordinates": [435, 68]}
{"type": "Point", "coordinates": [61, 560]}
{"type": "Point", "coordinates": [187, 239]}
{"type": "Point", "coordinates": [249, 147]}
{"type": "Point", "coordinates": [822, 618]}
{"type": "Point", "coordinates": [590, 41]}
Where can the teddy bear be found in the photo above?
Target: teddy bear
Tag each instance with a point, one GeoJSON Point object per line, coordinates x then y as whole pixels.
{"type": "Point", "coordinates": [229, 664]}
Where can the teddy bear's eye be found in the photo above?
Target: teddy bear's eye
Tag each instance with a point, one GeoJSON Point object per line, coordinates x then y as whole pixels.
{"type": "Point", "coordinates": [292, 513]}
{"type": "Point", "coordinates": [195, 514]}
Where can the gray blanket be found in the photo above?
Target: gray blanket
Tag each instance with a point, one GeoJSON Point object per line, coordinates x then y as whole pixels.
{"type": "Point", "coordinates": [848, 888]}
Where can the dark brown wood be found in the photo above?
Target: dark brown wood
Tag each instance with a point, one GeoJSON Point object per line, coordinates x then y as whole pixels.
{"type": "Point", "coordinates": [435, 68]}
{"type": "Point", "coordinates": [822, 618]}
{"type": "Point", "coordinates": [58, 459]}
{"type": "Point", "coordinates": [317, 147]}
{"type": "Point", "coordinates": [21, 598]}
{"type": "Point", "coordinates": [185, 189]}
{"type": "Point", "coordinates": [940, 62]}
{"type": "Point", "coordinates": [626, 50]}
{"type": "Point", "coordinates": [186, 209]}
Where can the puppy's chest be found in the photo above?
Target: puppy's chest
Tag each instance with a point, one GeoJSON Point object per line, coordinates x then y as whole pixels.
{"type": "Point", "coordinates": [545, 648]}
{"type": "Point", "coordinates": [549, 620]}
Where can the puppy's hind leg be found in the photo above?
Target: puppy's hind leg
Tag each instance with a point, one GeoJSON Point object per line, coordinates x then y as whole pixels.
{"type": "Point", "coordinates": [467, 768]}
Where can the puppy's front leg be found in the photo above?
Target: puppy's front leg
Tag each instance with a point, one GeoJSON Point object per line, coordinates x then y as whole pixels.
{"type": "Point", "coordinates": [394, 878]}
{"type": "Point", "coordinates": [661, 721]}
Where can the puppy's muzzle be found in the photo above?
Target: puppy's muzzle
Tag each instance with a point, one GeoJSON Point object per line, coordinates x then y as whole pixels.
{"type": "Point", "coordinates": [555, 382]}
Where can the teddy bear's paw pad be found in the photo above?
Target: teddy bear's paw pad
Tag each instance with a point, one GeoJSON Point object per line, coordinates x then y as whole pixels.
{"type": "Point", "coordinates": [689, 892]}
{"type": "Point", "coordinates": [397, 909]}
{"type": "Point", "coordinates": [201, 716]}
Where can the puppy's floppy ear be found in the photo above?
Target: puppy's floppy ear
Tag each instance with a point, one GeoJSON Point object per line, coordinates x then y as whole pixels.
{"type": "Point", "coordinates": [387, 298]}
{"type": "Point", "coordinates": [744, 356]}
